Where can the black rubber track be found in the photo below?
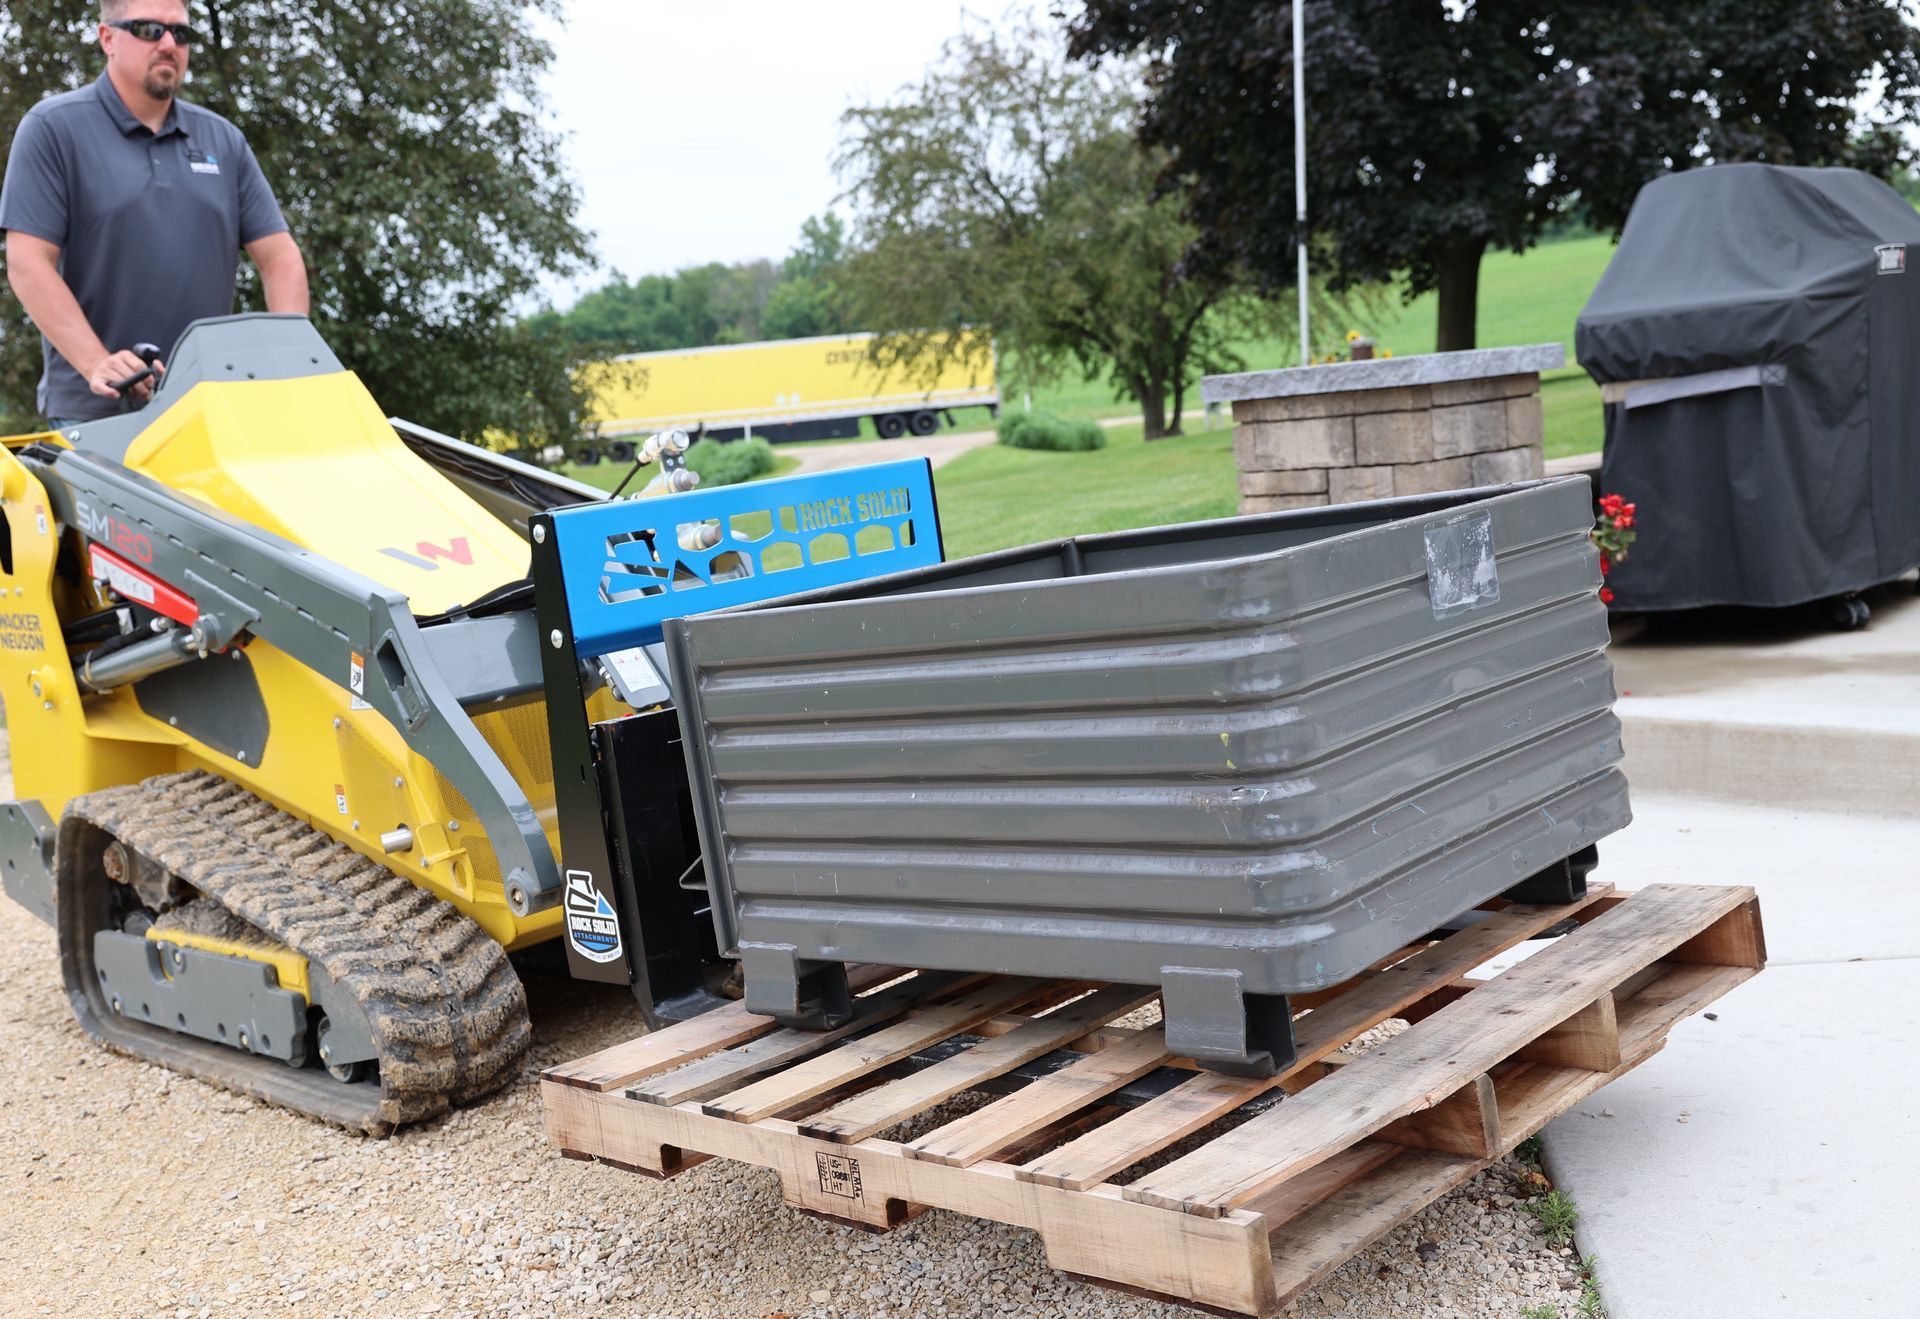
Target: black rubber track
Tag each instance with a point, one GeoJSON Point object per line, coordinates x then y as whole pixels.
{"type": "Point", "coordinates": [447, 1011]}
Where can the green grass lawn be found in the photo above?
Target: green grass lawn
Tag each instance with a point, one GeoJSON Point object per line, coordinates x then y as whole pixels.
{"type": "Point", "coordinates": [1527, 299]}
{"type": "Point", "coordinates": [996, 497]}
{"type": "Point", "coordinates": [1574, 422]}
{"type": "Point", "coordinates": [1531, 298]}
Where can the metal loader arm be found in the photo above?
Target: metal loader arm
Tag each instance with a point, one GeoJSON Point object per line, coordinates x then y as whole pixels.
{"type": "Point", "coordinates": [321, 614]}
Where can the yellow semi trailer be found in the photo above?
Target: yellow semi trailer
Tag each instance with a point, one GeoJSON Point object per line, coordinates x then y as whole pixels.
{"type": "Point", "coordinates": [790, 389]}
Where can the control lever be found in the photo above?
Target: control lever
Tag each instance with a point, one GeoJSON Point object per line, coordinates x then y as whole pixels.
{"type": "Point", "coordinates": [148, 353]}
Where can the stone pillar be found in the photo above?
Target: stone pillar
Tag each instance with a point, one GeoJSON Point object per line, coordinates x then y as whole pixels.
{"type": "Point", "coordinates": [1348, 431]}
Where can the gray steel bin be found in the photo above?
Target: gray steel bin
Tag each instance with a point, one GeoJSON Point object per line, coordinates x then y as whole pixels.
{"type": "Point", "coordinates": [1239, 759]}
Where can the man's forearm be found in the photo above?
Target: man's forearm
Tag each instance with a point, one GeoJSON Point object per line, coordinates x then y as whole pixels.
{"type": "Point", "coordinates": [283, 278]}
{"type": "Point", "coordinates": [54, 311]}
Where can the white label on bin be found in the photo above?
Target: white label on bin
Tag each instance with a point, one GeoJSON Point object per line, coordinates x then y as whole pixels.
{"type": "Point", "coordinates": [1461, 573]}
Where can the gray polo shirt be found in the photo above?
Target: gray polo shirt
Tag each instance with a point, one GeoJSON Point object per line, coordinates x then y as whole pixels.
{"type": "Point", "coordinates": [150, 225]}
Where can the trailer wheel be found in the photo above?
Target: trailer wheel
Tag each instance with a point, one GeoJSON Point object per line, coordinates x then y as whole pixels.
{"type": "Point", "coordinates": [923, 423]}
{"type": "Point", "coordinates": [890, 427]}
{"type": "Point", "coordinates": [620, 451]}
{"type": "Point", "coordinates": [586, 455]}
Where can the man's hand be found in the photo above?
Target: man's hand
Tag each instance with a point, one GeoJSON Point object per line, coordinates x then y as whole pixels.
{"type": "Point", "coordinates": [121, 366]}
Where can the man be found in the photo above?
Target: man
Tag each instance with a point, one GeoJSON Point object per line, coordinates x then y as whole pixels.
{"type": "Point", "coordinates": [125, 211]}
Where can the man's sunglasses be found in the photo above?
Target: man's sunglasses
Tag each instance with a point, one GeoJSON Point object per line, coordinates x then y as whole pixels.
{"type": "Point", "coordinates": [152, 29]}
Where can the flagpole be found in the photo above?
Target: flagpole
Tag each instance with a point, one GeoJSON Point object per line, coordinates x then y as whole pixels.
{"type": "Point", "coordinates": [1300, 166]}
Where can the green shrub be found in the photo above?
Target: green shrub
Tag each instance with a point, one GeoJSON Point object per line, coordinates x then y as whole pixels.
{"type": "Point", "coordinates": [731, 462]}
{"type": "Point", "coordinates": [1043, 430]}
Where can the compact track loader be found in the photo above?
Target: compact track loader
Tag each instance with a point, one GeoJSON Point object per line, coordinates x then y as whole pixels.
{"type": "Point", "coordinates": [317, 716]}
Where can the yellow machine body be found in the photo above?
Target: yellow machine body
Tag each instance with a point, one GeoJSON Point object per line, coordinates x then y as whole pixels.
{"type": "Point", "coordinates": [312, 460]}
{"type": "Point", "coordinates": [289, 967]}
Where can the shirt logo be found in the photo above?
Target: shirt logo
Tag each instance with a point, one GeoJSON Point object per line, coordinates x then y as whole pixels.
{"type": "Point", "coordinates": [1893, 258]}
{"type": "Point", "coordinates": [203, 162]}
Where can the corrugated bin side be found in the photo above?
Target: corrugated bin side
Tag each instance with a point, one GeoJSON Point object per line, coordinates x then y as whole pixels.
{"type": "Point", "coordinates": [1236, 777]}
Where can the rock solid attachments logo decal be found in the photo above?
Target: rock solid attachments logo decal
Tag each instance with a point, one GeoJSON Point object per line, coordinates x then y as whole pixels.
{"type": "Point", "coordinates": [592, 928]}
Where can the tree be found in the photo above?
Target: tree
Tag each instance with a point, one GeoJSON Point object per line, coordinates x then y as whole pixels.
{"type": "Point", "coordinates": [406, 147]}
{"type": "Point", "coordinates": [1006, 191]}
{"type": "Point", "coordinates": [715, 303]}
{"type": "Point", "coordinates": [808, 300]}
{"type": "Point", "coordinates": [700, 305]}
{"type": "Point", "coordinates": [1437, 130]}
{"type": "Point", "coordinates": [625, 316]}
{"type": "Point", "coordinates": [800, 309]}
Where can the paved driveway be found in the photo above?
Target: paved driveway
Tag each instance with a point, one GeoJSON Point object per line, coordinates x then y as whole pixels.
{"type": "Point", "coordinates": [940, 446]}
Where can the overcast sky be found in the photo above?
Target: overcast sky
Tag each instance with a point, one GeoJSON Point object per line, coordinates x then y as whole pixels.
{"type": "Point", "coordinates": [705, 131]}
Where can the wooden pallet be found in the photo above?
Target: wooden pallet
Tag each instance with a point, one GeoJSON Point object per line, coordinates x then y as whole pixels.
{"type": "Point", "coordinates": [1253, 1216]}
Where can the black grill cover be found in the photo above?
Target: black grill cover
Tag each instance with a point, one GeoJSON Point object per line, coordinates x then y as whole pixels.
{"type": "Point", "coordinates": [1775, 486]}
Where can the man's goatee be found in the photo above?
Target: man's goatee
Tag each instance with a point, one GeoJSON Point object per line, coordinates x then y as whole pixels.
{"type": "Point", "coordinates": [158, 90]}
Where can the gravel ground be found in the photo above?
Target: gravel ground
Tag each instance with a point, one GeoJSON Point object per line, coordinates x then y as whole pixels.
{"type": "Point", "coordinates": [126, 1190]}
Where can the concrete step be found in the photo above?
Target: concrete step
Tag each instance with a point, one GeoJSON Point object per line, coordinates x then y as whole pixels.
{"type": "Point", "coordinates": [1770, 708]}
{"type": "Point", "coordinates": [1574, 464]}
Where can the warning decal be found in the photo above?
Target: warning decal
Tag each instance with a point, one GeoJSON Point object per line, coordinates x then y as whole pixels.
{"type": "Point", "coordinates": [592, 928]}
{"type": "Point", "coordinates": [357, 682]}
{"type": "Point", "coordinates": [127, 584]}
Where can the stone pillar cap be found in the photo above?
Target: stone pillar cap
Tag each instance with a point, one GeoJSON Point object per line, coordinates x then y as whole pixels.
{"type": "Point", "coordinates": [1384, 373]}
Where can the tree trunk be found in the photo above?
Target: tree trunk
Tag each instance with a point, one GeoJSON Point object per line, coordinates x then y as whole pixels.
{"type": "Point", "coordinates": [1176, 426]}
{"type": "Point", "coordinates": [1459, 271]}
{"type": "Point", "coordinates": [1152, 397]}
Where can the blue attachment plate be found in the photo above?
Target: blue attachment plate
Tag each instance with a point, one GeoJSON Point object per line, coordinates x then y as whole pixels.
{"type": "Point", "coordinates": [631, 564]}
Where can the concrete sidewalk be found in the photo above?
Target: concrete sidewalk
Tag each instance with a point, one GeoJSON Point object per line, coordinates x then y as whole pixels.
{"type": "Point", "coordinates": [1762, 1165]}
{"type": "Point", "coordinates": [1772, 708]}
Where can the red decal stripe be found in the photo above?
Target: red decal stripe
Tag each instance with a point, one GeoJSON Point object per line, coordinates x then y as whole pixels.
{"type": "Point", "coordinates": [136, 584]}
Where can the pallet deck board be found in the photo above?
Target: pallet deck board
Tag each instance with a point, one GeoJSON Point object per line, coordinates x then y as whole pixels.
{"type": "Point", "coordinates": [891, 1104]}
{"type": "Point", "coordinates": [1145, 1131]}
{"type": "Point", "coordinates": [1409, 1073]}
{"type": "Point", "coordinates": [1010, 1119]}
{"type": "Point", "coordinates": [1378, 996]}
{"type": "Point", "coordinates": [869, 1053]}
{"type": "Point", "coordinates": [1252, 1216]}
{"type": "Point", "coordinates": [634, 1060]}
{"type": "Point", "coordinates": [727, 1069]}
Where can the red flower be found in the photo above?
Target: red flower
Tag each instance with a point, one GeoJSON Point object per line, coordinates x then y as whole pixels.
{"type": "Point", "coordinates": [1612, 534]}
{"type": "Point", "coordinates": [1606, 595]}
